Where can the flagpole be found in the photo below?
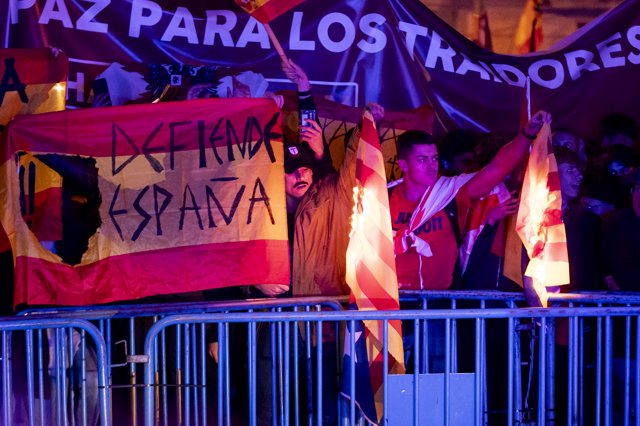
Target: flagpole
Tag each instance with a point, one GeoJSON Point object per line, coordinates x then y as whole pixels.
{"type": "Point", "coordinates": [528, 95]}
{"type": "Point", "coordinates": [276, 43]}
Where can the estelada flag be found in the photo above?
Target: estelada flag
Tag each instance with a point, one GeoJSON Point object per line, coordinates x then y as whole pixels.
{"type": "Point", "coordinates": [539, 223]}
{"type": "Point", "coordinates": [267, 10]}
{"type": "Point", "coordinates": [371, 269]}
{"type": "Point", "coordinates": [189, 196]}
{"type": "Point", "coordinates": [33, 81]}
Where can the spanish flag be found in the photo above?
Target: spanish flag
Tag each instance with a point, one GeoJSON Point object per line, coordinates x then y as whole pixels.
{"type": "Point", "coordinates": [529, 33]}
{"type": "Point", "coordinates": [34, 81]}
{"type": "Point", "coordinates": [190, 196]}
{"type": "Point", "coordinates": [267, 10]}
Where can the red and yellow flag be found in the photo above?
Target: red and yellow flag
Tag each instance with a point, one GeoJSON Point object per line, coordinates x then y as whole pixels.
{"type": "Point", "coordinates": [529, 33]}
{"type": "Point", "coordinates": [33, 81]}
{"type": "Point", "coordinates": [40, 198]}
{"type": "Point", "coordinates": [539, 223]}
{"type": "Point", "coordinates": [191, 198]}
{"type": "Point", "coordinates": [267, 10]}
{"type": "Point", "coordinates": [371, 272]}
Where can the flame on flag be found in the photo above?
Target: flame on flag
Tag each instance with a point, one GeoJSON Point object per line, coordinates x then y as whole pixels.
{"type": "Point", "coordinates": [539, 223]}
{"type": "Point", "coordinates": [371, 273]}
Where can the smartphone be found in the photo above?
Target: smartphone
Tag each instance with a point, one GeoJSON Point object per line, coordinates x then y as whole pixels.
{"type": "Point", "coordinates": [307, 114]}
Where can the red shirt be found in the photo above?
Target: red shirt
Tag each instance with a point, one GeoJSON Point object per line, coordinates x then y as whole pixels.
{"type": "Point", "coordinates": [437, 270]}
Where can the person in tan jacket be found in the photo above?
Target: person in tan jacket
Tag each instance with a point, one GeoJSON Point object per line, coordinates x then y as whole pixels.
{"type": "Point", "coordinates": [319, 204]}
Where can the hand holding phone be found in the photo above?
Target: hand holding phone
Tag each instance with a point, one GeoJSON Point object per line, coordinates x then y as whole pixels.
{"type": "Point", "coordinates": [305, 116]}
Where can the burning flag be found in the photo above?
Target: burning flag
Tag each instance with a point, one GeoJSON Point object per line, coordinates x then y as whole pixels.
{"type": "Point", "coordinates": [539, 223]}
{"type": "Point", "coordinates": [371, 273]}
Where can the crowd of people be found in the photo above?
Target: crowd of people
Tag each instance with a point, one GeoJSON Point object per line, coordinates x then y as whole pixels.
{"type": "Point", "coordinates": [445, 180]}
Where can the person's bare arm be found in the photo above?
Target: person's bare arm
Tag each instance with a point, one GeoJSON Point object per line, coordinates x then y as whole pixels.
{"type": "Point", "coordinates": [507, 158]}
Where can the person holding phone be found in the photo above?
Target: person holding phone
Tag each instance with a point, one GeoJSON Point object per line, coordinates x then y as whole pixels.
{"type": "Point", "coordinates": [319, 206]}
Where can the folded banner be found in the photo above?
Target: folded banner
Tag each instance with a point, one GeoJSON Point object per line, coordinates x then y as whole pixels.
{"type": "Point", "coordinates": [158, 199]}
{"type": "Point", "coordinates": [34, 81]}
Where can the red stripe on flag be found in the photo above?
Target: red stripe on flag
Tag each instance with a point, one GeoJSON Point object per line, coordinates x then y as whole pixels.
{"type": "Point", "coordinates": [552, 217]}
{"type": "Point", "coordinates": [5, 244]}
{"type": "Point", "coordinates": [376, 296]}
{"type": "Point", "coordinates": [183, 269]}
{"type": "Point", "coordinates": [384, 247]}
{"type": "Point", "coordinates": [556, 252]}
{"type": "Point", "coordinates": [46, 220]}
{"type": "Point", "coordinates": [271, 9]}
{"type": "Point", "coordinates": [135, 130]}
{"type": "Point", "coordinates": [553, 181]}
{"type": "Point", "coordinates": [36, 66]}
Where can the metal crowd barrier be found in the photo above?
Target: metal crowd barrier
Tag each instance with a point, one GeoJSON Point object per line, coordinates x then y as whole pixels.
{"type": "Point", "coordinates": [572, 364]}
{"type": "Point", "coordinates": [39, 387]}
{"type": "Point", "coordinates": [124, 328]}
{"type": "Point", "coordinates": [607, 395]}
{"type": "Point", "coordinates": [489, 299]}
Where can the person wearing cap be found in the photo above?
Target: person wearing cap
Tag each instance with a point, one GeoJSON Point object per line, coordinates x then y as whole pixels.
{"type": "Point", "coordinates": [319, 205]}
{"type": "Point", "coordinates": [620, 237]}
{"type": "Point", "coordinates": [319, 202]}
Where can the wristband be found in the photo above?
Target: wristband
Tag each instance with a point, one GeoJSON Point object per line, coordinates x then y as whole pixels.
{"type": "Point", "coordinates": [304, 94]}
{"type": "Point", "coordinates": [528, 136]}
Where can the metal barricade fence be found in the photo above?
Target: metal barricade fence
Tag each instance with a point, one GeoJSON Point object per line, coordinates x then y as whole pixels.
{"type": "Point", "coordinates": [183, 391]}
{"type": "Point", "coordinates": [38, 386]}
{"type": "Point", "coordinates": [124, 327]}
{"type": "Point", "coordinates": [563, 351]}
{"type": "Point", "coordinates": [605, 395]}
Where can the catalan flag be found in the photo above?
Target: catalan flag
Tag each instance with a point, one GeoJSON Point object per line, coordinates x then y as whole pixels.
{"type": "Point", "coordinates": [371, 273]}
{"type": "Point", "coordinates": [529, 33]}
{"type": "Point", "coordinates": [267, 10]}
{"type": "Point", "coordinates": [539, 223]}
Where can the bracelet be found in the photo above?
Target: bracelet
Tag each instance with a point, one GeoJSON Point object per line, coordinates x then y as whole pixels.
{"type": "Point", "coordinates": [528, 136]}
{"type": "Point", "coordinates": [304, 94]}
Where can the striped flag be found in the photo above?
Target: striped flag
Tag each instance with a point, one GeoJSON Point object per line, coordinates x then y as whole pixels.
{"type": "Point", "coordinates": [189, 201]}
{"type": "Point", "coordinates": [371, 273]}
{"type": "Point", "coordinates": [529, 33]}
{"type": "Point", "coordinates": [32, 81]}
{"type": "Point", "coordinates": [539, 223]}
{"type": "Point", "coordinates": [480, 32]}
{"type": "Point", "coordinates": [477, 218]}
{"type": "Point", "coordinates": [267, 10]}
{"type": "Point", "coordinates": [40, 198]}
